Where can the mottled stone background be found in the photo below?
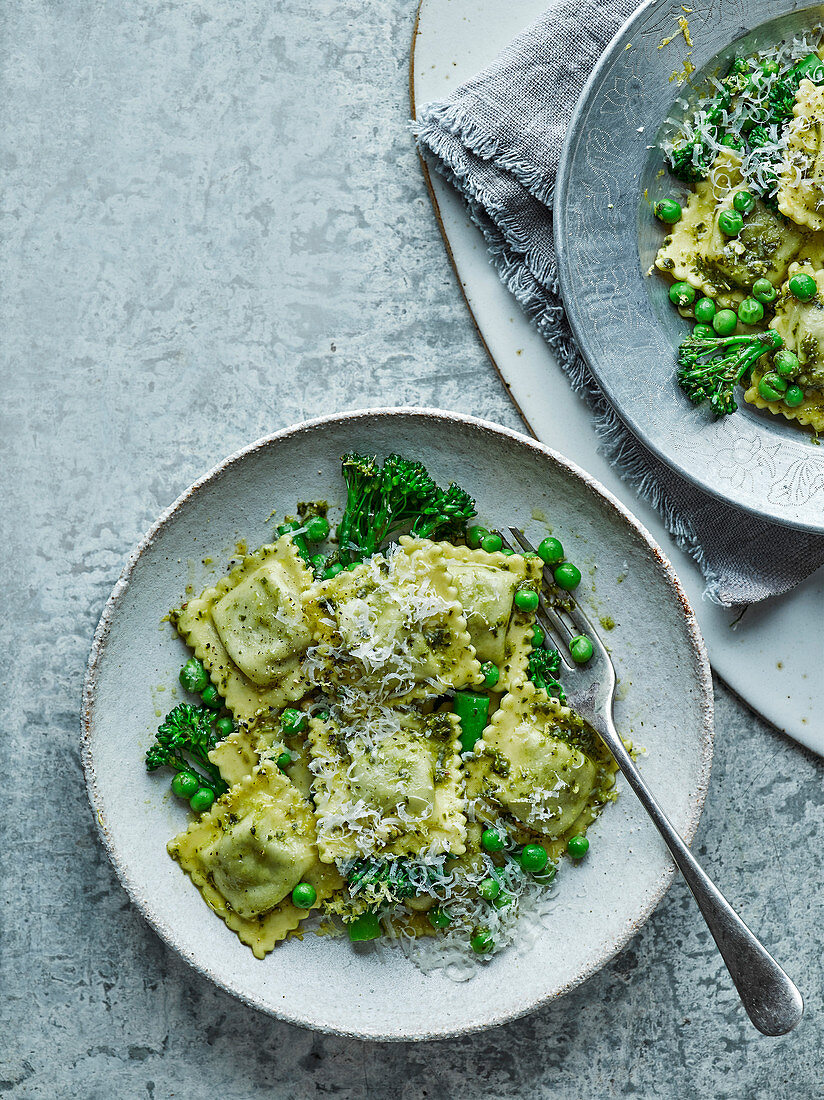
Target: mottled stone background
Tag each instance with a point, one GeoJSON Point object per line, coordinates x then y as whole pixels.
{"type": "Point", "coordinates": [213, 225]}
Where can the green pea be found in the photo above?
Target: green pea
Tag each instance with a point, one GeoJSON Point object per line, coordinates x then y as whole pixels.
{"type": "Point", "coordinates": [537, 636]}
{"type": "Point", "coordinates": [439, 918]}
{"type": "Point", "coordinates": [534, 857]}
{"type": "Point", "coordinates": [473, 713]}
{"type": "Point", "coordinates": [492, 841]}
{"type": "Point", "coordinates": [725, 322]}
{"type": "Point", "coordinates": [526, 599]}
{"type": "Point", "coordinates": [750, 312]}
{"type": "Point", "coordinates": [507, 553]}
{"type": "Point", "coordinates": [317, 528]}
{"type": "Point", "coordinates": [794, 396]}
{"type": "Point", "coordinates": [492, 674]}
{"type": "Point", "coordinates": [304, 895]}
{"type": "Point", "coordinates": [668, 211]}
{"type": "Point", "coordinates": [211, 698]}
{"type": "Point", "coordinates": [803, 287]}
{"type": "Point", "coordinates": [489, 889]}
{"type": "Point", "coordinates": [730, 223]}
{"type": "Point", "coordinates": [365, 927]}
{"type": "Point", "coordinates": [578, 846]}
{"type": "Point", "coordinates": [352, 566]}
{"type": "Point", "coordinates": [763, 291]}
{"type": "Point", "coordinates": [786, 363]}
{"type": "Point", "coordinates": [284, 761]}
{"type": "Point", "coordinates": [293, 721]}
{"type": "Point", "coordinates": [580, 649]}
{"type": "Point", "coordinates": [503, 899]}
{"type": "Point", "coordinates": [703, 331]}
{"type": "Point", "coordinates": [474, 536]}
{"type": "Point", "coordinates": [770, 68]}
{"type": "Point", "coordinates": [567, 576]}
{"type": "Point", "coordinates": [551, 551]}
{"type": "Point", "coordinates": [772, 386]}
{"type": "Point", "coordinates": [202, 800]}
{"type": "Point", "coordinates": [492, 543]}
{"type": "Point", "coordinates": [185, 784]}
{"type": "Point", "coordinates": [482, 942]}
{"type": "Point", "coordinates": [193, 676]}
{"type": "Point", "coordinates": [682, 294]}
{"type": "Point", "coordinates": [704, 310]}
{"type": "Point", "coordinates": [316, 561]}
{"type": "Point", "coordinates": [730, 141]}
{"type": "Point", "coordinates": [225, 726]}
{"type": "Point", "coordinates": [743, 201]}
{"type": "Point", "coordinates": [332, 571]}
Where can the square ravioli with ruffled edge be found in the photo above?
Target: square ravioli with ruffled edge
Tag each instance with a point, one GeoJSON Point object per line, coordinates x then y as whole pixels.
{"type": "Point", "coordinates": [539, 763]}
{"type": "Point", "coordinates": [801, 182]}
{"type": "Point", "coordinates": [262, 739]}
{"type": "Point", "coordinates": [391, 628]}
{"type": "Point", "coordinates": [251, 632]}
{"type": "Point", "coordinates": [387, 782]}
{"type": "Point", "coordinates": [486, 584]}
{"type": "Point", "coordinates": [801, 324]}
{"type": "Point", "coordinates": [722, 267]}
{"type": "Point", "coordinates": [247, 854]}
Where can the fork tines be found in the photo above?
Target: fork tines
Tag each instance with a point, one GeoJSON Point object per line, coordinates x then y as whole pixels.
{"type": "Point", "coordinates": [554, 606]}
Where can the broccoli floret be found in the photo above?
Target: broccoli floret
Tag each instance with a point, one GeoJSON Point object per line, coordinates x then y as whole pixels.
{"type": "Point", "coordinates": [687, 167]}
{"type": "Point", "coordinates": [543, 668]}
{"type": "Point", "coordinates": [710, 367]}
{"type": "Point", "coordinates": [187, 730]}
{"type": "Point", "coordinates": [384, 501]}
{"type": "Point", "coordinates": [782, 94]}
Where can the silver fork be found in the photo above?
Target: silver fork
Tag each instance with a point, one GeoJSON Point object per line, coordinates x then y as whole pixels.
{"type": "Point", "coordinates": [772, 1001]}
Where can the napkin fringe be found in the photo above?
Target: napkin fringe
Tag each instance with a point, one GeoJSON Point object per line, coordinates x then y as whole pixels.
{"type": "Point", "coordinates": [453, 118]}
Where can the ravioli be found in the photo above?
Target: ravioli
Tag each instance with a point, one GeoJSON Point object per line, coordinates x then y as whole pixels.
{"type": "Point", "coordinates": [801, 182]}
{"type": "Point", "coordinates": [724, 268]}
{"type": "Point", "coordinates": [262, 739]}
{"type": "Point", "coordinates": [392, 628]}
{"type": "Point", "coordinates": [251, 632]}
{"type": "Point", "coordinates": [387, 782]}
{"type": "Point", "coordinates": [248, 853]}
{"type": "Point", "coordinates": [802, 326]}
{"type": "Point", "coordinates": [531, 763]}
{"type": "Point", "coordinates": [486, 585]}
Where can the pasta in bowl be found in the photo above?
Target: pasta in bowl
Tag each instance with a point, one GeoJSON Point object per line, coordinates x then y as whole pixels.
{"type": "Point", "coordinates": [665, 66]}
{"type": "Point", "coordinates": [746, 250]}
{"type": "Point", "coordinates": [396, 786]}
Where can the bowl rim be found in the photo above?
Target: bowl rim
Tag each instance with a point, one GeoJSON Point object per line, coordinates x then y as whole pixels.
{"type": "Point", "coordinates": [98, 650]}
{"type": "Point", "coordinates": [758, 505]}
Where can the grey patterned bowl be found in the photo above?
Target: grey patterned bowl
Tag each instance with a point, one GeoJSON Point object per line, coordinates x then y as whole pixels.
{"type": "Point", "coordinates": [606, 240]}
{"type": "Point", "coordinates": [665, 704]}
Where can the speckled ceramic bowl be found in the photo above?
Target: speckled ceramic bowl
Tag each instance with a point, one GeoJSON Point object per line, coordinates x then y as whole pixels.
{"type": "Point", "coordinates": [665, 705]}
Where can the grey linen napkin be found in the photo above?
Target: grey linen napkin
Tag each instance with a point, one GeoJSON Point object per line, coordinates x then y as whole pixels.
{"type": "Point", "coordinates": [497, 140]}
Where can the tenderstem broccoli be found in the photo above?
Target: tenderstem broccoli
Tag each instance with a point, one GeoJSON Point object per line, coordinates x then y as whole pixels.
{"type": "Point", "coordinates": [186, 735]}
{"type": "Point", "coordinates": [383, 501]}
{"type": "Point", "coordinates": [709, 368]}
{"type": "Point", "coordinates": [543, 668]}
{"type": "Point", "coordinates": [386, 881]}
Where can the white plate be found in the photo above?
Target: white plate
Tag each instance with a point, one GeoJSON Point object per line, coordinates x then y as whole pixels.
{"type": "Point", "coordinates": [665, 704]}
{"type": "Point", "coordinates": [758, 657]}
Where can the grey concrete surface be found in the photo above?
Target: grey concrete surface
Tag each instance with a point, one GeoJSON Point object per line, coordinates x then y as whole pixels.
{"type": "Point", "coordinates": [213, 225]}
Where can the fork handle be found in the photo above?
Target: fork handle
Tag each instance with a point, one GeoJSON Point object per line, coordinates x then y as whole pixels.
{"type": "Point", "coordinates": [772, 1001]}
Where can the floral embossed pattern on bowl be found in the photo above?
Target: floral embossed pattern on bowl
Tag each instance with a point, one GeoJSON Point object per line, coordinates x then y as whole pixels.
{"type": "Point", "coordinates": [607, 239]}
